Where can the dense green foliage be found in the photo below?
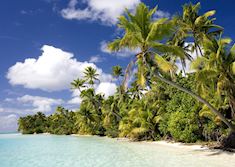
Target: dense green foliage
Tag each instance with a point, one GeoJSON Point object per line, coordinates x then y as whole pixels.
{"type": "Point", "coordinates": [159, 102]}
{"type": "Point", "coordinates": [33, 124]}
{"type": "Point", "coordinates": [61, 122]}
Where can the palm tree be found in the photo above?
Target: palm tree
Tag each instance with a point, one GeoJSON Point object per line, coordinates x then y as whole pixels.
{"type": "Point", "coordinates": [88, 95]}
{"type": "Point", "coordinates": [215, 70]}
{"type": "Point", "coordinates": [91, 75]}
{"type": "Point", "coordinates": [141, 121]}
{"type": "Point", "coordinates": [117, 71]}
{"type": "Point", "coordinates": [86, 119]}
{"type": "Point", "coordinates": [193, 25]}
{"type": "Point", "coordinates": [78, 84]}
{"type": "Point", "coordinates": [111, 106]}
{"type": "Point", "coordinates": [95, 100]}
{"type": "Point", "coordinates": [112, 117]}
{"type": "Point", "coordinates": [140, 31]}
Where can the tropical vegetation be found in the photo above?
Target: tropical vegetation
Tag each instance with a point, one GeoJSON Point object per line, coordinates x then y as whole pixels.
{"type": "Point", "coordinates": [155, 99]}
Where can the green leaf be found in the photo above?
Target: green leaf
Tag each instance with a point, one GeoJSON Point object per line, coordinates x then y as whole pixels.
{"type": "Point", "coordinates": [160, 29]}
{"type": "Point", "coordinates": [114, 46]}
{"type": "Point", "coordinates": [232, 50]}
{"type": "Point", "coordinates": [152, 11]}
{"type": "Point", "coordinates": [170, 49]}
{"type": "Point", "coordinates": [205, 112]}
{"type": "Point", "coordinates": [225, 41]}
{"type": "Point", "coordinates": [233, 68]}
{"type": "Point", "coordinates": [157, 119]}
{"type": "Point", "coordinates": [209, 13]}
{"type": "Point", "coordinates": [198, 63]}
{"type": "Point", "coordinates": [163, 64]}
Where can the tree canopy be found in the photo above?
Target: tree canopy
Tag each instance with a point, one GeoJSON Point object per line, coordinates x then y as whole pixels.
{"type": "Point", "coordinates": [159, 101]}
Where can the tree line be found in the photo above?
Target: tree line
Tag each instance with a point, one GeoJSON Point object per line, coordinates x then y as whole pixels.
{"type": "Point", "coordinates": [158, 101]}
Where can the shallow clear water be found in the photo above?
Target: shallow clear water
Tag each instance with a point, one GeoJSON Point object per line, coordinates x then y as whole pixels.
{"type": "Point", "coordinates": [69, 151]}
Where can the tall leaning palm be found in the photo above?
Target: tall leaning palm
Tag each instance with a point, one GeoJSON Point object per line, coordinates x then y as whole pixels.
{"type": "Point", "coordinates": [141, 31]}
{"type": "Point", "coordinates": [91, 75]}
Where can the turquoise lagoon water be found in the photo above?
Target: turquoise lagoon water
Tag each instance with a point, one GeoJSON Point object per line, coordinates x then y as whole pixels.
{"type": "Point", "coordinates": [69, 151]}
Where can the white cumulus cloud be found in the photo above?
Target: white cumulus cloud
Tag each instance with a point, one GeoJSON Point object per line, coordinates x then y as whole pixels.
{"type": "Point", "coordinates": [76, 99]}
{"type": "Point", "coordinates": [42, 104]}
{"type": "Point", "coordinates": [52, 71]}
{"type": "Point", "coordinates": [106, 88]}
{"type": "Point", "coordinates": [106, 11]}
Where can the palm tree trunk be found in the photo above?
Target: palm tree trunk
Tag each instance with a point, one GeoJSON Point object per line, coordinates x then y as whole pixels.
{"type": "Point", "coordinates": [213, 109]}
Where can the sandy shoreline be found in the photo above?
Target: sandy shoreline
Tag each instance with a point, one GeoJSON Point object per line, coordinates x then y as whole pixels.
{"type": "Point", "coordinates": [178, 145]}
{"type": "Point", "coordinates": [170, 144]}
{"type": "Point", "coordinates": [201, 150]}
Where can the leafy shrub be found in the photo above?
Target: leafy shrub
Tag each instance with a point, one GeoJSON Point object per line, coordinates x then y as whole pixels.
{"type": "Point", "coordinates": [183, 127]}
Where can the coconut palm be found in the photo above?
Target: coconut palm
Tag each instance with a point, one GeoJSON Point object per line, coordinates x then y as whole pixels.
{"type": "Point", "coordinates": [192, 25]}
{"type": "Point", "coordinates": [86, 119]}
{"type": "Point", "coordinates": [215, 71]}
{"type": "Point", "coordinates": [141, 31]}
{"type": "Point", "coordinates": [112, 117]}
{"type": "Point", "coordinates": [117, 71]}
{"type": "Point", "coordinates": [91, 75]}
{"type": "Point", "coordinates": [78, 84]}
{"type": "Point", "coordinates": [141, 121]}
{"type": "Point", "coordinates": [95, 101]}
{"type": "Point", "coordinates": [111, 106]}
{"type": "Point", "coordinates": [89, 95]}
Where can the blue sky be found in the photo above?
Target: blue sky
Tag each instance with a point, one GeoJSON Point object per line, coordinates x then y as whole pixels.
{"type": "Point", "coordinates": [67, 35]}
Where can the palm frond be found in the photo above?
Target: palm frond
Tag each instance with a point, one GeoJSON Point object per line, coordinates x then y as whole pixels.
{"type": "Point", "coordinates": [160, 29]}
{"type": "Point", "coordinates": [164, 65]}
{"type": "Point", "coordinates": [206, 112]}
{"type": "Point", "coordinates": [198, 63]}
{"type": "Point", "coordinates": [170, 49]}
